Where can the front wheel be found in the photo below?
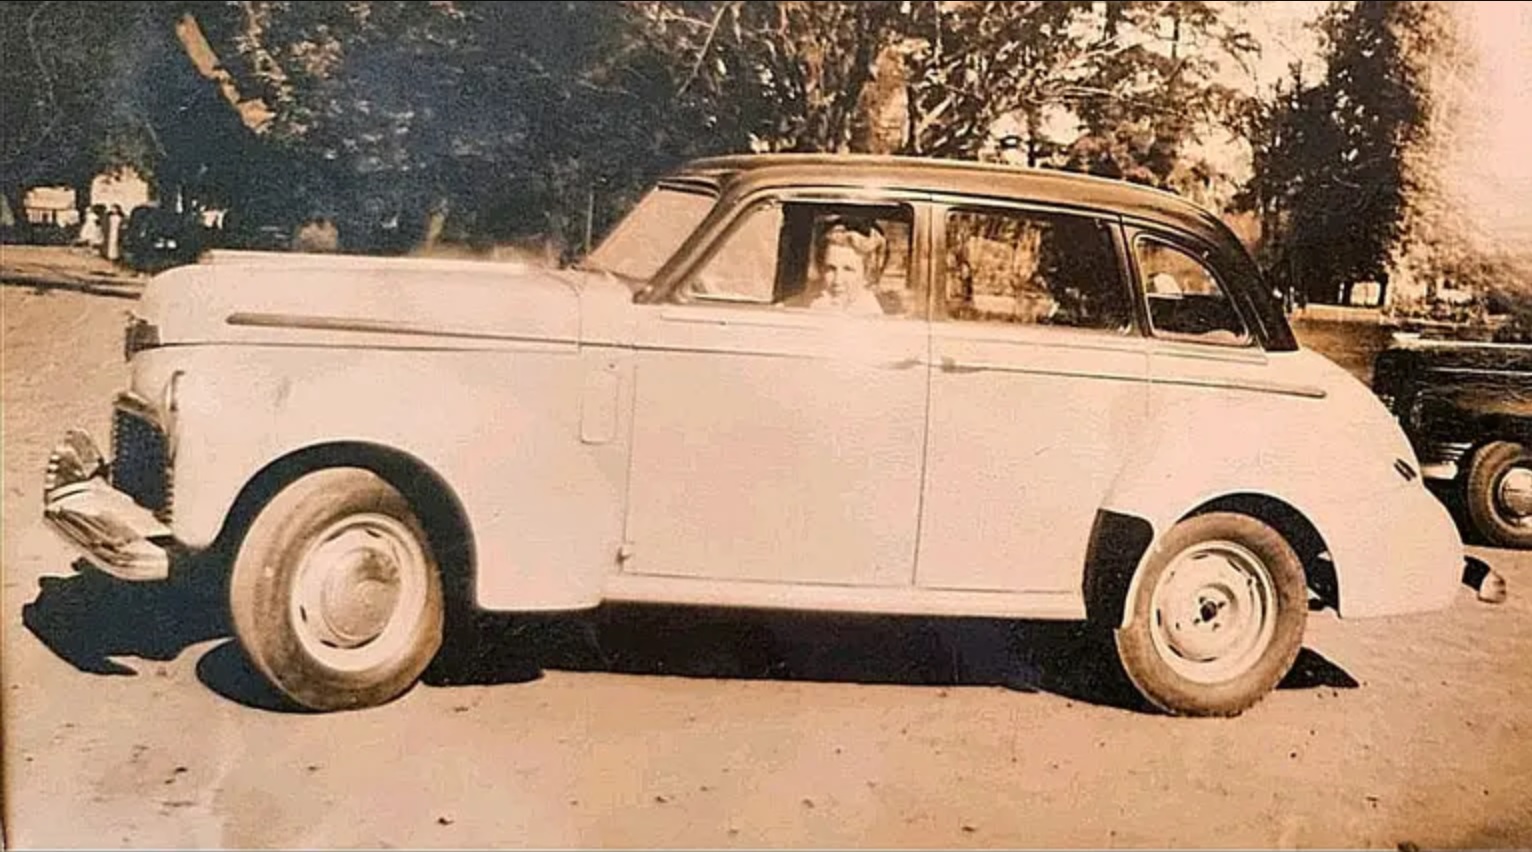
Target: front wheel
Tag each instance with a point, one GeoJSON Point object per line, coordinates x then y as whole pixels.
{"type": "Point", "coordinates": [336, 596]}
{"type": "Point", "coordinates": [1498, 493]}
{"type": "Point", "coordinates": [1217, 616]}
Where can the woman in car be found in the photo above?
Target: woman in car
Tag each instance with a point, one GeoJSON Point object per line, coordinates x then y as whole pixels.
{"type": "Point", "coordinates": [848, 260]}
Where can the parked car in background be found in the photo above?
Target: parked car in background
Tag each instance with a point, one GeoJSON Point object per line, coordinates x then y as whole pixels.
{"type": "Point", "coordinates": [851, 384]}
{"type": "Point", "coordinates": [155, 239]}
{"type": "Point", "coordinates": [1467, 408]}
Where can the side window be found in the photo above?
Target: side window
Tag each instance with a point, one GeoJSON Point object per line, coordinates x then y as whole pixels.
{"type": "Point", "coordinates": [849, 259]}
{"type": "Point", "coordinates": [744, 267]}
{"type": "Point", "coordinates": [1034, 269]}
{"type": "Point", "coordinates": [1184, 296]}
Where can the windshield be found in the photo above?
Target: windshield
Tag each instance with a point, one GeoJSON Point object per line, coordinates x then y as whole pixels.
{"type": "Point", "coordinates": [651, 233]}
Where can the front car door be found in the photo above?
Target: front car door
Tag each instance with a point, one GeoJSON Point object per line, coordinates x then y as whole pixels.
{"type": "Point", "coordinates": [778, 432]}
{"type": "Point", "coordinates": [1038, 382]}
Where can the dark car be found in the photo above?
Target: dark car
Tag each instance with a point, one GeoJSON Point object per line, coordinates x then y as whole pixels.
{"type": "Point", "coordinates": [1467, 408]}
{"type": "Point", "coordinates": [155, 239]}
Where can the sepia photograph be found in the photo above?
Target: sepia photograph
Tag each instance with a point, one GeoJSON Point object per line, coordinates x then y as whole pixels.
{"type": "Point", "coordinates": [849, 424]}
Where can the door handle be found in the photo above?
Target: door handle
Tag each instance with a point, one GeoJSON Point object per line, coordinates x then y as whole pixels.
{"type": "Point", "coordinates": [904, 364]}
{"type": "Point", "coordinates": [950, 365]}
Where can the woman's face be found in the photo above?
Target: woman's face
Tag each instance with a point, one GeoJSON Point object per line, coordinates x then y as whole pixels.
{"type": "Point", "coordinates": [843, 271]}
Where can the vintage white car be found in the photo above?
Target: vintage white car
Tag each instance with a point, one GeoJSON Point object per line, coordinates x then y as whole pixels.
{"type": "Point", "coordinates": [828, 383]}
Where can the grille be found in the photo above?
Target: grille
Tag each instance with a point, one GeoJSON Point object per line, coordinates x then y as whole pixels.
{"type": "Point", "coordinates": [141, 462]}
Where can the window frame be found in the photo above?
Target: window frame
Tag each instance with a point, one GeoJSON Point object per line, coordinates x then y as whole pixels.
{"type": "Point", "coordinates": [911, 204]}
{"type": "Point", "coordinates": [1203, 257]}
{"type": "Point", "coordinates": [1110, 222]}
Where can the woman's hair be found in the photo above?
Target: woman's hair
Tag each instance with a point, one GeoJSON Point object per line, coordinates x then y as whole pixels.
{"type": "Point", "coordinates": [862, 236]}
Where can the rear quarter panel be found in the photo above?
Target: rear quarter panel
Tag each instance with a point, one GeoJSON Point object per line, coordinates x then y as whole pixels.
{"type": "Point", "coordinates": [1295, 428]}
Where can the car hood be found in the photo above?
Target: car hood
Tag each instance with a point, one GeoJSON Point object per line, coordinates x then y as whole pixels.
{"type": "Point", "coordinates": [257, 298]}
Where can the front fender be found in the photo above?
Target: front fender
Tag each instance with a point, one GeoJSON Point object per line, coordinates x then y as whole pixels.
{"type": "Point", "coordinates": [511, 433]}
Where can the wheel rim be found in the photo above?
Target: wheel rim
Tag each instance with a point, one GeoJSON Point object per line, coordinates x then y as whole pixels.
{"type": "Point", "coordinates": [360, 593]}
{"type": "Point", "coordinates": [1513, 496]}
{"type": "Point", "coordinates": [1214, 612]}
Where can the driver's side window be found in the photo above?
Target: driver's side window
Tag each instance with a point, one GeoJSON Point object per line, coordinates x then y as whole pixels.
{"type": "Point", "coordinates": [851, 259]}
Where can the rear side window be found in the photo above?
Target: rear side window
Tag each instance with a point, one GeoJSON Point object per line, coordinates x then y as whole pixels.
{"type": "Point", "coordinates": [1186, 300]}
{"type": "Point", "coordinates": [1033, 268]}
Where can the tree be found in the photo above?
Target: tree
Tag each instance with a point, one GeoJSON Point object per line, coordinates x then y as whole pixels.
{"type": "Point", "coordinates": [68, 103]}
{"type": "Point", "coordinates": [780, 76]}
{"type": "Point", "coordinates": [1160, 94]}
{"type": "Point", "coordinates": [108, 85]}
{"type": "Point", "coordinates": [1345, 168]}
{"type": "Point", "coordinates": [464, 119]}
{"type": "Point", "coordinates": [1136, 78]}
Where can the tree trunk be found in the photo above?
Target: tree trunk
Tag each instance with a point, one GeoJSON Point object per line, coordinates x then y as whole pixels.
{"type": "Point", "coordinates": [253, 113]}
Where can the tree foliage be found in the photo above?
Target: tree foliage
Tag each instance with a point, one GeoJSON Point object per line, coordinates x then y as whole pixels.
{"type": "Point", "coordinates": [496, 118]}
{"type": "Point", "coordinates": [1339, 169]}
{"type": "Point", "coordinates": [1126, 85]}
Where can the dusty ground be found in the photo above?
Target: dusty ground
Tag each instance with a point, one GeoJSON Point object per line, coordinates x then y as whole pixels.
{"type": "Point", "coordinates": [130, 719]}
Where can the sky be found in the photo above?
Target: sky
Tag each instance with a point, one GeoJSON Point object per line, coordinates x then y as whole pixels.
{"type": "Point", "coordinates": [1493, 166]}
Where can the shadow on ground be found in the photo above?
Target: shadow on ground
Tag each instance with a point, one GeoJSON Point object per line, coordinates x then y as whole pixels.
{"type": "Point", "coordinates": [1061, 658]}
{"type": "Point", "coordinates": [89, 618]}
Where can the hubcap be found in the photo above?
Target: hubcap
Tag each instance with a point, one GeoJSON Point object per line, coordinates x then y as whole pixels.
{"type": "Point", "coordinates": [360, 592]}
{"type": "Point", "coordinates": [1214, 612]}
{"type": "Point", "coordinates": [1513, 495]}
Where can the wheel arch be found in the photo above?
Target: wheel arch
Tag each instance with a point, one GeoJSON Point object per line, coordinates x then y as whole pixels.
{"type": "Point", "coordinates": [438, 506]}
{"type": "Point", "coordinates": [1119, 543]}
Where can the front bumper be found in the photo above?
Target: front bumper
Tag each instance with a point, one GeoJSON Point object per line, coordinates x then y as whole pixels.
{"type": "Point", "coordinates": [116, 534]}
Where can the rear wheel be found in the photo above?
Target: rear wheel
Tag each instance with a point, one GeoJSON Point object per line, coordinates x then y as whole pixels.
{"type": "Point", "coordinates": [1217, 616]}
{"type": "Point", "coordinates": [1498, 494]}
{"type": "Point", "coordinates": [335, 594]}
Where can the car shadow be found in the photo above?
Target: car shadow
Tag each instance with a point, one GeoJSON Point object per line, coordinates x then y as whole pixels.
{"type": "Point", "coordinates": [227, 670]}
{"type": "Point", "coordinates": [89, 618]}
{"type": "Point", "coordinates": [1067, 659]}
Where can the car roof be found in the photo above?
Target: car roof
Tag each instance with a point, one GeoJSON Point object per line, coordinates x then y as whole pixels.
{"type": "Point", "coordinates": [969, 178]}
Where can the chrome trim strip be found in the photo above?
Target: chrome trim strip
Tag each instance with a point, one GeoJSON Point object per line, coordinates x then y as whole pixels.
{"type": "Point", "coordinates": [1476, 371]}
{"type": "Point", "coordinates": [311, 322]}
{"type": "Point", "coordinates": [953, 366]}
{"type": "Point", "coordinates": [1254, 385]}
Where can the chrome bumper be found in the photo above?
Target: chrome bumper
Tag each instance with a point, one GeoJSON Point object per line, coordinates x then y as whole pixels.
{"type": "Point", "coordinates": [1443, 459]}
{"type": "Point", "coordinates": [116, 534]}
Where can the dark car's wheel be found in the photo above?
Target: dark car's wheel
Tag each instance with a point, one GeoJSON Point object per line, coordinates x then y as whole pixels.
{"type": "Point", "coordinates": [336, 595]}
{"type": "Point", "coordinates": [1218, 614]}
{"type": "Point", "coordinates": [1498, 493]}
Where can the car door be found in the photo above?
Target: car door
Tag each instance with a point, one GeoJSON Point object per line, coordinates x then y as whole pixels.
{"type": "Point", "coordinates": [773, 440]}
{"type": "Point", "coordinates": [1038, 381]}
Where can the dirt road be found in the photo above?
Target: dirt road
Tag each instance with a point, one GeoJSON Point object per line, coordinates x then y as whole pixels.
{"type": "Point", "coordinates": [131, 720]}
